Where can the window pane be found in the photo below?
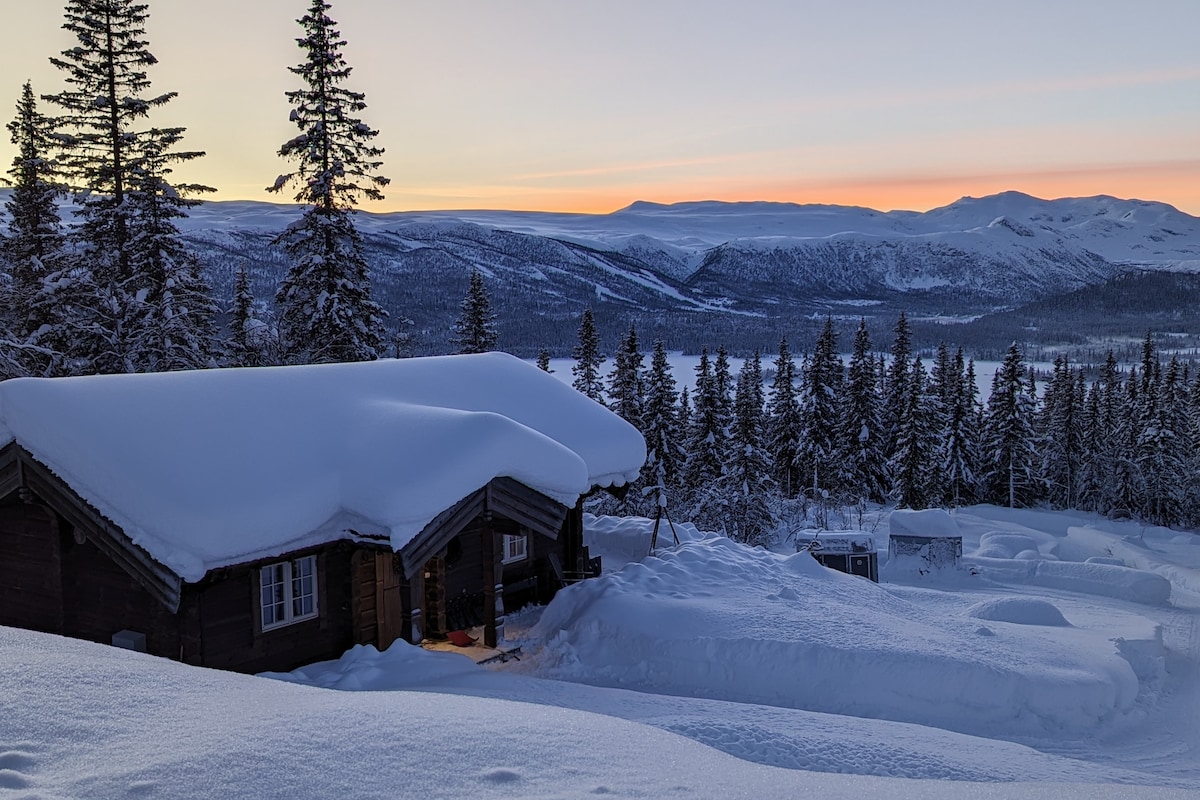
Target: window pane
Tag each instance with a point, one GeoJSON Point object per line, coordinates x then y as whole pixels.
{"type": "Point", "coordinates": [304, 586]}
{"type": "Point", "coordinates": [272, 599]}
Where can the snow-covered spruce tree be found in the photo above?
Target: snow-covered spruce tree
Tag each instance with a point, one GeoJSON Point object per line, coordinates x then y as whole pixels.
{"type": "Point", "coordinates": [626, 384]}
{"type": "Point", "coordinates": [914, 462]}
{"type": "Point", "coordinates": [34, 248]}
{"type": "Point", "coordinates": [251, 340]}
{"type": "Point", "coordinates": [819, 456]}
{"type": "Point", "coordinates": [707, 449]}
{"type": "Point", "coordinates": [724, 384]}
{"type": "Point", "coordinates": [475, 330]}
{"type": "Point", "coordinates": [326, 311]}
{"type": "Point", "coordinates": [783, 424]}
{"type": "Point", "coordinates": [543, 360]}
{"type": "Point", "coordinates": [660, 428]}
{"type": "Point", "coordinates": [1164, 453]}
{"type": "Point", "coordinates": [960, 448]}
{"type": "Point", "coordinates": [747, 480]}
{"type": "Point", "coordinates": [128, 207]}
{"type": "Point", "coordinates": [1063, 435]}
{"type": "Point", "coordinates": [588, 359]}
{"type": "Point", "coordinates": [1010, 456]}
{"type": "Point", "coordinates": [895, 384]}
{"type": "Point", "coordinates": [178, 330]}
{"type": "Point", "coordinates": [860, 430]}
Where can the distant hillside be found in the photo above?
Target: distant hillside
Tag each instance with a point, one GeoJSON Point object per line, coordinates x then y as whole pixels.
{"type": "Point", "coordinates": [739, 273]}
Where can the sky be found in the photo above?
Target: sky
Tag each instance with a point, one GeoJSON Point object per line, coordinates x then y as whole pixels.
{"type": "Point", "coordinates": [546, 105]}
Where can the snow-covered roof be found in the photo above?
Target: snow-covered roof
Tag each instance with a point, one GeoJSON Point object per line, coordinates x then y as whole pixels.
{"type": "Point", "coordinates": [210, 468]}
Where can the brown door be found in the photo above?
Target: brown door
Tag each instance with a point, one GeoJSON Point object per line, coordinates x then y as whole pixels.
{"type": "Point", "coordinates": [388, 603]}
{"type": "Point", "coordinates": [30, 569]}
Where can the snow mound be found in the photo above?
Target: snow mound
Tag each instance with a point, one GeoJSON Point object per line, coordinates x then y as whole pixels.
{"type": "Point", "coordinates": [931, 522]}
{"type": "Point", "coordinates": [1005, 544]}
{"type": "Point", "coordinates": [1102, 580]}
{"type": "Point", "coordinates": [1019, 611]}
{"type": "Point", "coordinates": [620, 540]}
{"type": "Point", "coordinates": [719, 620]}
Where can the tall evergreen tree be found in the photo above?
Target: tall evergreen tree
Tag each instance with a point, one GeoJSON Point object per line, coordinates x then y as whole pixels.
{"type": "Point", "coordinates": [249, 342]}
{"type": "Point", "coordinates": [819, 456]}
{"type": "Point", "coordinates": [588, 359]}
{"type": "Point", "coordinates": [747, 481]}
{"type": "Point", "coordinates": [327, 313]}
{"type": "Point", "coordinates": [895, 384]}
{"type": "Point", "coordinates": [1010, 445]}
{"type": "Point", "coordinates": [960, 447]}
{"type": "Point", "coordinates": [129, 248]}
{"type": "Point", "coordinates": [1063, 436]}
{"type": "Point", "coordinates": [783, 423]}
{"type": "Point", "coordinates": [475, 330]}
{"type": "Point", "coordinates": [860, 431]}
{"type": "Point", "coordinates": [914, 461]}
{"type": "Point", "coordinates": [34, 248]}
{"type": "Point", "coordinates": [707, 451]}
{"type": "Point", "coordinates": [661, 430]}
{"type": "Point", "coordinates": [626, 389]}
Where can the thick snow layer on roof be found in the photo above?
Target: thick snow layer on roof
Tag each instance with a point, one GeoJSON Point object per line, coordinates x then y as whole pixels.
{"type": "Point", "coordinates": [216, 467]}
{"type": "Point", "coordinates": [931, 522]}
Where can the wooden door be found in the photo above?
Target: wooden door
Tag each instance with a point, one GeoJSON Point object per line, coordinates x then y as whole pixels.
{"type": "Point", "coordinates": [389, 606]}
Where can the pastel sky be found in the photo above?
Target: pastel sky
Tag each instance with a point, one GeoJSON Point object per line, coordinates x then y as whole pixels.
{"type": "Point", "coordinates": [566, 105]}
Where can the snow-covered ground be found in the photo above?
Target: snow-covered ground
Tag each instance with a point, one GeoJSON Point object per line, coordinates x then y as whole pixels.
{"type": "Point", "coordinates": [1049, 666]}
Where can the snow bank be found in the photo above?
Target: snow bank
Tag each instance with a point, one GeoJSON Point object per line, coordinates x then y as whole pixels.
{"type": "Point", "coordinates": [1019, 611]}
{"type": "Point", "coordinates": [620, 540]}
{"type": "Point", "coordinates": [214, 467]}
{"type": "Point", "coordinates": [1103, 580]}
{"type": "Point", "coordinates": [716, 619]}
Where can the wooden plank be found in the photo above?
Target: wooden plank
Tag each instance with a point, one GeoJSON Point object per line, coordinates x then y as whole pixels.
{"type": "Point", "coordinates": [535, 511]}
{"type": "Point", "coordinates": [388, 601]}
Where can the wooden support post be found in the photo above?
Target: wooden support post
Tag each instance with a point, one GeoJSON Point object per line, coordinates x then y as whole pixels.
{"type": "Point", "coordinates": [489, 559]}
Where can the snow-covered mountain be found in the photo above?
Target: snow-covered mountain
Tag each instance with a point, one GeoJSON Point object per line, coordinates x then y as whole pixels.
{"type": "Point", "coordinates": [678, 264]}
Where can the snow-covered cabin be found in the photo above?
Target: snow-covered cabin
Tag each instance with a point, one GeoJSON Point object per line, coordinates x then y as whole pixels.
{"type": "Point", "coordinates": [258, 519]}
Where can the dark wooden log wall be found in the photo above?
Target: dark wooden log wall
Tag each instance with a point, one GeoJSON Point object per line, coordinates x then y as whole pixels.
{"type": "Point", "coordinates": [231, 625]}
{"type": "Point", "coordinates": [30, 568]}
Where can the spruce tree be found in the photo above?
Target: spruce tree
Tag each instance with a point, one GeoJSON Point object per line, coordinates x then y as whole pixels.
{"type": "Point", "coordinates": [1062, 428]}
{"type": "Point", "coordinates": [326, 310]}
{"type": "Point", "coordinates": [747, 481]}
{"type": "Point", "coordinates": [1011, 463]}
{"type": "Point", "coordinates": [588, 359]}
{"type": "Point", "coordinates": [914, 461]}
{"type": "Point", "coordinates": [895, 385]}
{"type": "Point", "coordinates": [129, 251]}
{"type": "Point", "coordinates": [626, 385]}
{"type": "Point", "coordinates": [783, 424]}
{"type": "Point", "coordinates": [707, 451]}
{"type": "Point", "coordinates": [249, 342]}
{"type": "Point", "coordinates": [960, 447]}
{"type": "Point", "coordinates": [819, 457]}
{"type": "Point", "coordinates": [543, 360]}
{"type": "Point", "coordinates": [661, 430]}
{"type": "Point", "coordinates": [34, 248]}
{"type": "Point", "coordinates": [860, 431]}
{"type": "Point", "coordinates": [475, 330]}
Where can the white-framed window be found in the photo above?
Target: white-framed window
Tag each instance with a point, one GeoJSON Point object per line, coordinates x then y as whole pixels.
{"type": "Point", "coordinates": [515, 548]}
{"type": "Point", "coordinates": [288, 592]}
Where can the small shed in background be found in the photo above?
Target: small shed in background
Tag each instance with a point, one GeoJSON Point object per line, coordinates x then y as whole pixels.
{"type": "Point", "coordinates": [930, 535]}
{"type": "Point", "coordinates": [852, 552]}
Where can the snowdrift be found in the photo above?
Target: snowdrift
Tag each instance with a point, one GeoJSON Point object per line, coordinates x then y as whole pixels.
{"type": "Point", "coordinates": [717, 619]}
